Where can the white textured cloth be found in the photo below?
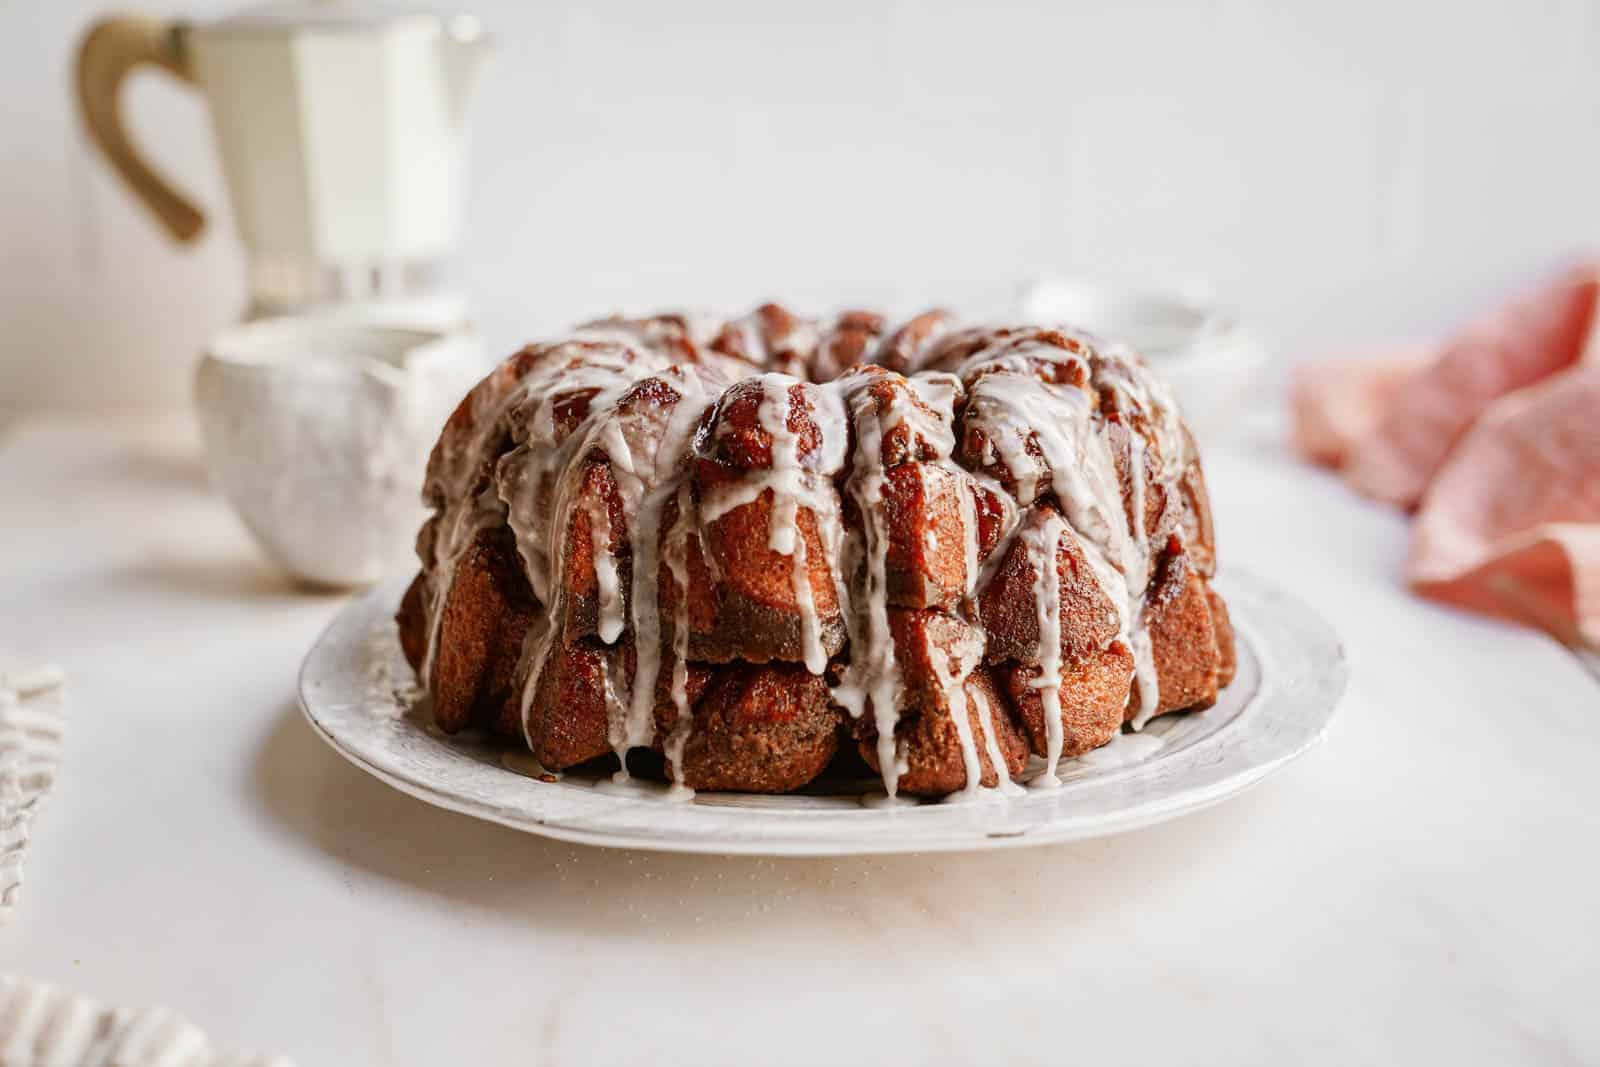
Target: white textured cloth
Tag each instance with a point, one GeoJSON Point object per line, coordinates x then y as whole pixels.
{"type": "Point", "coordinates": [30, 746]}
{"type": "Point", "coordinates": [43, 1026]}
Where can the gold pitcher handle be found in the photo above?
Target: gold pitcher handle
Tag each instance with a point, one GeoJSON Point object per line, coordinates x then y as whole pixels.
{"type": "Point", "coordinates": [112, 49]}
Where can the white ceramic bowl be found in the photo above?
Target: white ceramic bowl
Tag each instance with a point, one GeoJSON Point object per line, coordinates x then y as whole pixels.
{"type": "Point", "coordinates": [317, 430]}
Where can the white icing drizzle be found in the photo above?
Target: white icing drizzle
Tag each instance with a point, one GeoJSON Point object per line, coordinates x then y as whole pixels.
{"type": "Point", "coordinates": [1015, 408]}
{"type": "Point", "coordinates": [1120, 372]}
{"type": "Point", "coordinates": [969, 525]}
{"type": "Point", "coordinates": [816, 657]}
{"type": "Point", "coordinates": [1010, 526]}
{"type": "Point", "coordinates": [461, 513]}
{"type": "Point", "coordinates": [773, 414]}
{"type": "Point", "coordinates": [649, 462]}
{"type": "Point", "coordinates": [1123, 750]}
{"type": "Point", "coordinates": [1042, 542]}
{"type": "Point", "coordinates": [677, 564]}
{"type": "Point", "coordinates": [795, 482]}
{"type": "Point", "coordinates": [956, 698]}
{"type": "Point", "coordinates": [951, 670]}
{"type": "Point", "coordinates": [872, 677]}
{"type": "Point", "coordinates": [924, 407]}
{"type": "Point", "coordinates": [751, 341]}
{"type": "Point", "coordinates": [535, 649]}
{"type": "Point", "coordinates": [618, 690]}
{"type": "Point", "coordinates": [798, 347]}
{"type": "Point", "coordinates": [933, 419]}
{"type": "Point", "coordinates": [805, 488]}
{"type": "Point", "coordinates": [538, 484]}
{"type": "Point", "coordinates": [605, 570]}
{"type": "Point", "coordinates": [539, 481]}
{"type": "Point", "coordinates": [784, 535]}
{"type": "Point", "coordinates": [1133, 627]}
{"type": "Point", "coordinates": [991, 740]}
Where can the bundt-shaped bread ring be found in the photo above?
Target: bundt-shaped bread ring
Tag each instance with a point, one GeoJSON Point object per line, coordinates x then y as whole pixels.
{"type": "Point", "coordinates": [764, 545]}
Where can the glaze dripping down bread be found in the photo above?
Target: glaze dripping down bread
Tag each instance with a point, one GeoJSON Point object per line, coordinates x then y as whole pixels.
{"type": "Point", "coordinates": [769, 545]}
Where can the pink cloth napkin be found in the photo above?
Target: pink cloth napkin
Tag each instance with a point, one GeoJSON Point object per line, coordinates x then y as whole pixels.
{"type": "Point", "coordinates": [1494, 440]}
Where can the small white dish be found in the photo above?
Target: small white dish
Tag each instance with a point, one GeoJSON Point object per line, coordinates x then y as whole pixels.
{"type": "Point", "coordinates": [356, 690]}
{"type": "Point", "coordinates": [317, 430]}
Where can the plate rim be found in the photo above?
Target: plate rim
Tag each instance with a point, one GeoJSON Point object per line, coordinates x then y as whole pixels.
{"type": "Point", "coordinates": [1318, 715]}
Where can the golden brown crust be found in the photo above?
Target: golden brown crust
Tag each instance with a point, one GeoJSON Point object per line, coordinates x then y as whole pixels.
{"type": "Point", "coordinates": [779, 339]}
{"type": "Point", "coordinates": [700, 590]}
{"type": "Point", "coordinates": [926, 564]}
{"type": "Point", "coordinates": [567, 722]}
{"type": "Point", "coordinates": [850, 342]}
{"type": "Point", "coordinates": [931, 745]}
{"type": "Point", "coordinates": [487, 610]}
{"type": "Point", "coordinates": [412, 622]}
{"type": "Point", "coordinates": [1093, 694]}
{"type": "Point", "coordinates": [758, 613]}
{"type": "Point", "coordinates": [1194, 517]}
{"type": "Point", "coordinates": [761, 729]}
{"type": "Point", "coordinates": [1183, 635]}
{"type": "Point", "coordinates": [1227, 655]}
{"type": "Point", "coordinates": [1007, 604]}
{"type": "Point", "coordinates": [907, 347]}
{"type": "Point", "coordinates": [597, 496]}
{"type": "Point", "coordinates": [735, 439]}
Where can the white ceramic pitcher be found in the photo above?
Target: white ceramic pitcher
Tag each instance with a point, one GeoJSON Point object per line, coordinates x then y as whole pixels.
{"type": "Point", "coordinates": [340, 131]}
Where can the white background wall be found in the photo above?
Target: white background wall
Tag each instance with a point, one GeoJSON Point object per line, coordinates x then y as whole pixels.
{"type": "Point", "coordinates": [1345, 172]}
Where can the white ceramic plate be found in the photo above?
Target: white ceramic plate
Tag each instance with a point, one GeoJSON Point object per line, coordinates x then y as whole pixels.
{"type": "Point", "coordinates": [354, 686]}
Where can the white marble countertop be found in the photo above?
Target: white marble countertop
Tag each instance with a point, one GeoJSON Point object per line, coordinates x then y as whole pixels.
{"type": "Point", "coordinates": [1425, 886]}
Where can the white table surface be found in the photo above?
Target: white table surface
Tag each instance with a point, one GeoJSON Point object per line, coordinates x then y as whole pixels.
{"type": "Point", "coordinates": [1424, 886]}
